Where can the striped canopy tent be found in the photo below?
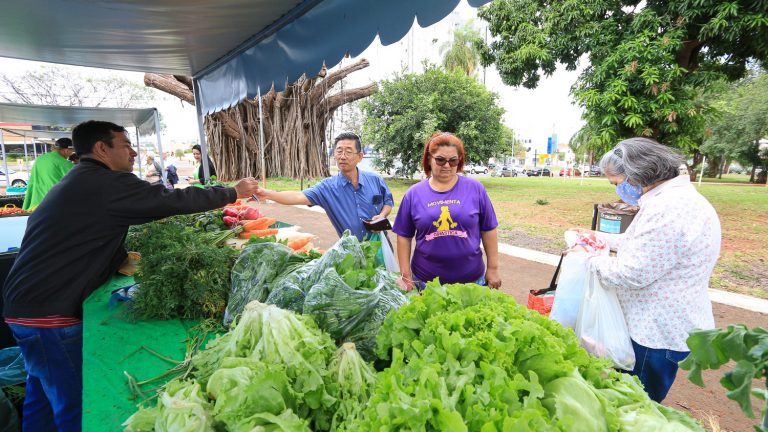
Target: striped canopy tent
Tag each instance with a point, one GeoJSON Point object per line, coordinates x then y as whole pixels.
{"type": "Point", "coordinates": [233, 49]}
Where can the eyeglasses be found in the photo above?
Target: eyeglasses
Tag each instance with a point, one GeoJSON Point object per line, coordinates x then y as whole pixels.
{"type": "Point", "coordinates": [441, 161]}
{"type": "Point", "coordinates": [345, 152]}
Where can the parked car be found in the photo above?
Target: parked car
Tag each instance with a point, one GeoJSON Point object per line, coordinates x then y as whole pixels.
{"type": "Point", "coordinates": [508, 172]}
{"type": "Point", "coordinates": [570, 172]}
{"type": "Point", "coordinates": [595, 171]}
{"type": "Point", "coordinates": [17, 179]}
{"type": "Point", "coordinates": [538, 172]}
{"type": "Point", "coordinates": [476, 169]}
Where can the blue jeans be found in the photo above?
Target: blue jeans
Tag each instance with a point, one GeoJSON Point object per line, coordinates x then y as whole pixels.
{"type": "Point", "coordinates": [53, 360]}
{"type": "Point", "coordinates": [656, 369]}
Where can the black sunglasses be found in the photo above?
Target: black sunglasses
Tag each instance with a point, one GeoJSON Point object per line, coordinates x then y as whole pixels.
{"type": "Point", "coordinates": [441, 161]}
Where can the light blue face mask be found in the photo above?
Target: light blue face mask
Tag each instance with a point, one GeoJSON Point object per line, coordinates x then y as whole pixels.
{"type": "Point", "coordinates": [629, 193]}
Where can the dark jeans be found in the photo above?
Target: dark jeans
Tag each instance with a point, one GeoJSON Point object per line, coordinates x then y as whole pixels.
{"type": "Point", "coordinates": [54, 362]}
{"type": "Point", "coordinates": [656, 369]}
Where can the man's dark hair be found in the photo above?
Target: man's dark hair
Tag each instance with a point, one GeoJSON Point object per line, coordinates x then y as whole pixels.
{"type": "Point", "coordinates": [64, 143]}
{"type": "Point", "coordinates": [197, 147]}
{"type": "Point", "coordinates": [349, 136]}
{"type": "Point", "coordinates": [86, 134]}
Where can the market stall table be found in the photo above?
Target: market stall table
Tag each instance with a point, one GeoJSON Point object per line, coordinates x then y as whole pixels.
{"type": "Point", "coordinates": [112, 344]}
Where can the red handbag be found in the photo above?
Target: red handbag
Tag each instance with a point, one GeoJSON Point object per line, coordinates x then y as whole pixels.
{"type": "Point", "coordinates": [541, 300]}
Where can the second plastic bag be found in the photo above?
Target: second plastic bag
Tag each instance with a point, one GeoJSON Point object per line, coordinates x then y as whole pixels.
{"type": "Point", "coordinates": [601, 327]}
{"type": "Point", "coordinates": [390, 260]}
{"type": "Point", "coordinates": [570, 289]}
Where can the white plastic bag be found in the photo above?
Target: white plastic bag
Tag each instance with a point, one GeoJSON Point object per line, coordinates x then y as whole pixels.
{"type": "Point", "coordinates": [570, 289]}
{"type": "Point", "coordinates": [390, 261]}
{"type": "Point", "coordinates": [601, 327]}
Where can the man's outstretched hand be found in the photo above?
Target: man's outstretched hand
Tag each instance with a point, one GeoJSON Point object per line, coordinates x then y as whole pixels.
{"type": "Point", "coordinates": [246, 187]}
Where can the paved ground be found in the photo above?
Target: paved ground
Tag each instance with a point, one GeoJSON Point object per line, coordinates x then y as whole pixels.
{"type": "Point", "coordinates": [519, 276]}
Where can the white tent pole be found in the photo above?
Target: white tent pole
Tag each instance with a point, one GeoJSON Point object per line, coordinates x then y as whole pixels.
{"type": "Point", "coordinates": [261, 141]}
{"type": "Point", "coordinates": [34, 148]}
{"type": "Point", "coordinates": [5, 162]}
{"type": "Point", "coordinates": [200, 129]}
{"type": "Point", "coordinates": [26, 155]}
{"type": "Point", "coordinates": [138, 152]}
{"type": "Point", "coordinates": [163, 174]}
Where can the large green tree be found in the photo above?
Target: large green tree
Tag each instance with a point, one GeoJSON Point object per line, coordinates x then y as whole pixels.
{"type": "Point", "coordinates": [742, 121]}
{"type": "Point", "coordinates": [409, 108]}
{"type": "Point", "coordinates": [649, 63]}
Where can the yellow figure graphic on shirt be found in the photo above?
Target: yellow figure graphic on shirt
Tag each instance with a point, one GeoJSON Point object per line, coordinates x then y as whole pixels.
{"type": "Point", "coordinates": [444, 222]}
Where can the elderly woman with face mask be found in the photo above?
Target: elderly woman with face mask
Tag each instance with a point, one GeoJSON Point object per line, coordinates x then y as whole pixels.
{"type": "Point", "coordinates": [664, 260]}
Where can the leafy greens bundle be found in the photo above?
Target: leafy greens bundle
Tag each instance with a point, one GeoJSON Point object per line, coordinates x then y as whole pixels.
{"type": "Point", "coordinates": [464, 357]}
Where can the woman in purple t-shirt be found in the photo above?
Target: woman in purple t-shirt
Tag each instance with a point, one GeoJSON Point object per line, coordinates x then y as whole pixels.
{"type": "Point", "coordinates": [449, 215]}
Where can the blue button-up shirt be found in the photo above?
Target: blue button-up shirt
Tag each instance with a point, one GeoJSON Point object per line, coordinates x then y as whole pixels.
{"type": "Point", "coordinates": [346, 206]}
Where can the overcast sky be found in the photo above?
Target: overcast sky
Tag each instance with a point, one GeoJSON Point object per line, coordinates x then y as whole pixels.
{"type": "Point", "coordinates": [533, 114]}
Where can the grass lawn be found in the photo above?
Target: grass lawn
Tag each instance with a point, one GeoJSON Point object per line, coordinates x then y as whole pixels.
{"type": "Point", "coordinates": [743, 212]}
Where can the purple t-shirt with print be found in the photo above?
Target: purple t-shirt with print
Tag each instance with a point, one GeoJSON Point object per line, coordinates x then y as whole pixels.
{"type": "Point", "coordinates": [447, 227]}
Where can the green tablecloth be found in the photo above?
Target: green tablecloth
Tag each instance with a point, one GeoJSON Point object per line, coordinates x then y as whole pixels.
{"type": "Point", "coordinates": [110, 343]}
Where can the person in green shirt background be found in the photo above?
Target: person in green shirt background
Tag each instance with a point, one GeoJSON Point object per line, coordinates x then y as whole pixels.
{"type": "Point", "coordinates": [198, 177]}
{"type": "Point", "coordinates": [47, 171]}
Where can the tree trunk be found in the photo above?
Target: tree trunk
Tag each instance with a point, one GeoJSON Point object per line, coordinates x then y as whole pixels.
{"type": "Point", "coordinates": [294, 125]}
{"type": "Point", "coordinates": [713, 165]}
{"type": "Point", "coordinates": [692, 172]}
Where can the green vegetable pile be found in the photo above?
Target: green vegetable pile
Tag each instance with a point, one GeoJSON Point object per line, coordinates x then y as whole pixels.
{"type": "Point", "coordinates": [184, 271]}
{"type": "Point", "coordinates": [274, 370]}
{"type": "Point", "coordinates": [711, 349]}
{"type": "Point", "coordinates": [464, 357]}
{"type": "Point", "coordinates": [345, 291]}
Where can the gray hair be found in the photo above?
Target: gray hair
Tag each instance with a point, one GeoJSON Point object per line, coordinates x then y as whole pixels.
{"type": "Point", "coordinates": [642, 161]}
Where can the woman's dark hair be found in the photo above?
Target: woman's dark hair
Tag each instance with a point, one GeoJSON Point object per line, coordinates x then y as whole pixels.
{"type": "Point", "coordinates": [87, 134]}
{"type": "Point", "coordinates": [211, 166]}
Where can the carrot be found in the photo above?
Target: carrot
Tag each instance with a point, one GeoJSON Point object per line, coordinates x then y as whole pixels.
{"type": "Point", "coordinates": [258, 233]}
{"type": "Point", "coordinates": [259, 224]}
{"type": "Point", "coordinates": [306, 248]}
{"type": "Point", "coordinates": [237, 203]}
{"type": "Point", "coordinates": [298, 243]}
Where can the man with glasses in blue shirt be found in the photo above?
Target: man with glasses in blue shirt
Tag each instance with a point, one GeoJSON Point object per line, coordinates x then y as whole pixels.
{"type": "Point", "coordinates": [348, 198]}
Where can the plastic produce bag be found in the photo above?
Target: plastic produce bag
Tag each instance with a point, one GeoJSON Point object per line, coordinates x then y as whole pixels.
{"type": "Point", "coordinates": [9, 418]}
{"type": "Point", "coordinates": [570, 289]}
{"type": "Point", "coordinates": [390, 261]}
{"type": "Point", "coordinates": [290, 289]}
{"type": "Point", "coordinates": [347, 245]}
{"type": "Point", "coordinates": [252, 274]}
{"type": "Point", "coordinates": [601, 327]}
{"type": "Point", "coordinates": [12, 367]}
{"type": "Point", "coordinates": [353, 315]}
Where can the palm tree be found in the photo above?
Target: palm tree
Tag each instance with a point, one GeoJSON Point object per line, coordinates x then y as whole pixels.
{"type": "Point", "coordinates": [462, 53]}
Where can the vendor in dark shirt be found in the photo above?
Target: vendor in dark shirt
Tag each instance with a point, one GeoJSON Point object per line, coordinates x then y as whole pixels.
{"type": "Point", "coordinates": [72, 245]}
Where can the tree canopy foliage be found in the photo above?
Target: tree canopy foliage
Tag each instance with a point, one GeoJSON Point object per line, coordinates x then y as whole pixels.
{"type": "Point", "coordinates": [649, 62]}
{"type": "Point", "coordinates": [409, 108]}
{"type": "Point", "coordinates": [63, 86]}
{"type": "Point", "coordinates": [741, 123]}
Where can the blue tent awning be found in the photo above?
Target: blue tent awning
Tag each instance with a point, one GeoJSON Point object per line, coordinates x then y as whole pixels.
{"type": "Point", "coordinates": [321, 35]}
{"type": "Point", "coordinates": [231, 47]}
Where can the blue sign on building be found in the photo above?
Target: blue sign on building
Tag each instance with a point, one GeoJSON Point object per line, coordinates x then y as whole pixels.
{"type": "Point", "coordinates": [549, 145]}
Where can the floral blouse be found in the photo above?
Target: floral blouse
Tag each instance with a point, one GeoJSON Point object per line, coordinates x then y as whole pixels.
{"type": "Point", "coordinates": [663, 264]}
